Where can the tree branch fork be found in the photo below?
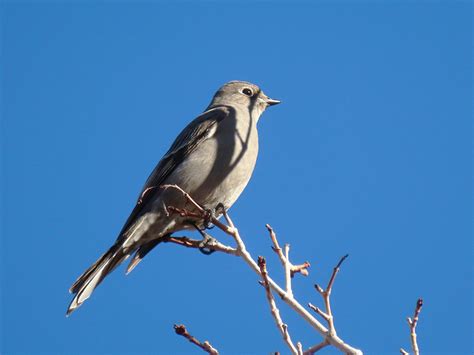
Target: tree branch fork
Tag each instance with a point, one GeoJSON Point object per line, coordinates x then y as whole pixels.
{"type": "Point", "coordinates": [259, 266]}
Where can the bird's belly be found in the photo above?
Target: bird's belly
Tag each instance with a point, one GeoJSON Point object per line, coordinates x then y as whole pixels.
{"type": "Point", "coordinates": [219, 170]}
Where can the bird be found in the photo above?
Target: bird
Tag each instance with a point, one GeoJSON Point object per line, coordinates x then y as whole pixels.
{"type": "Point", "coordinates": [212, 159]}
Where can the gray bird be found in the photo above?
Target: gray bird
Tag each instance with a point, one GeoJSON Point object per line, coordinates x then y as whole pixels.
{"type": "Point", "coordinates": [212, 159]}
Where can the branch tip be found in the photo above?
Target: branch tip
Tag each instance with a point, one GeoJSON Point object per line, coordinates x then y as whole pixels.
{"type": "Point", "coordinates": [181, 330]}
{"type": "Point", "coordinates": [319, 289]}
{"type": "Point", "coordinates": [341, 261]}
{"type": "Point", "coordinates": [412, 323]}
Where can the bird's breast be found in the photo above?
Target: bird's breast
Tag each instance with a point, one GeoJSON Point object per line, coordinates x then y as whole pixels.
{"type": "Point", "coordinates": [221, 166]}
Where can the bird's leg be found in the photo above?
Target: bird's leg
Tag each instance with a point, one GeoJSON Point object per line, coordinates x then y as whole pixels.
{"type": "Point", "coordinates": [220, 209]}
{"type": "Point", "coordinates": [207, 241]}
{"type": "Point", "coordinates": [210, 214]}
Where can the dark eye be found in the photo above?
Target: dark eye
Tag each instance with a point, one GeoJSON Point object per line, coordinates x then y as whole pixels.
{"type": "Point", "coordinates": [247, 92]}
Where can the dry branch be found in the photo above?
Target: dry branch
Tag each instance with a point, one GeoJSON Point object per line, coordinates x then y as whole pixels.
{"type": "Point", "coordinates": [293, 269]}
{"type": "Point", "coordinates": [329, 335]}
{"type": "Point", "coordinates": [282, 327]}
{"type": "Point", "coordinates": [196, 244]}
{"type": "Point", "coordinates": [316, 348]}
{"type": "Point", "coordinates": [412, 323]}
{"type": "Point", "coordinates": [326, 294]}
{"type": "Point", "coordinates": [326, 315]}
{"type": "Point", "coordinates": [180, 329]}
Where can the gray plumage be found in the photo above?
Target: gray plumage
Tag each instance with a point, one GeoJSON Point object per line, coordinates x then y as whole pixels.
{"type": "Point", "coordinates": [212, 159]}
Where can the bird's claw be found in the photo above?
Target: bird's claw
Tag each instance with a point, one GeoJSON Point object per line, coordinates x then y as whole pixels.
{"type": "Point", "coordinates": [205, 246]}
{"type": "Point", "coordinates": [220, 209]}
{"type": "Point", "coordinates": [210, 214]}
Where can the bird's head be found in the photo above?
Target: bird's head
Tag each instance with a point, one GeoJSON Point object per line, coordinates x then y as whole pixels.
{"type": "Point", "coordinates": [244, 94]}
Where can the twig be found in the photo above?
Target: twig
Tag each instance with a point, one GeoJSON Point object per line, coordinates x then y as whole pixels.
{"type": "Point", "coordinates": [319, 311]}
{"type": "Point", "coordinates": [301, 268]}
{"type": "Point", "coordinates": [316, 348]}
{"type": "Point", "coordinates": [326, 294]}
{"type": "Point", "coordinates": [327, 316]}
{"type": "Point", "coordinates": [412, 323]}
{"type": "Point", "coordinates": [293, 269]}
{"type": "Point", "coordinates": [196, 244]}
{"type": "Point", "coordinates": [287, 266]}
{"type": "Point", "coordinates": [273, 308]}
{"type": "Point", "coordinates": [230, 229]}
{"type": "Point", "coordinates": [299, 346]}
{"type": "Point", "coordinates": [144, 193]}
{"type": "Point", "coordinates": [206, 346]}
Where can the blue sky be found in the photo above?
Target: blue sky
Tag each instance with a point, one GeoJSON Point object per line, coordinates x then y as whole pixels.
{"type": "Point", "coordinates": [369, 154]}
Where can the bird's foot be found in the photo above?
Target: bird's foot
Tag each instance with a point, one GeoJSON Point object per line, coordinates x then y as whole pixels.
{"type": "Point", "coordinates": [208, 217]}
{"type": "Point", "coordinates": [205, 246]}
{"type": "Point", "coordinates": [210, 214]}
{"type": "Point", "coordinates": [220, 209]}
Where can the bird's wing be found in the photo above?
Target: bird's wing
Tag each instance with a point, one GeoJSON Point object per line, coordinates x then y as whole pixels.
{"type": "Point", "coordinates": [200, 129]}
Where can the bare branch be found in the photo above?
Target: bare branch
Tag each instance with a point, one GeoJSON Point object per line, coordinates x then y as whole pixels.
{"type": "Point", "coordinates": [180, 329]}
{"type": "Point", "coordinates": [326, 294]}
{"type": "Point", "coordinates": [185, 213]}
{"type": "Point", "coordinates": [316, 348]}
{"type": "Point", "coordinates": [230, 229]}
{"type": "Point", "coordinates": [144, 193]}
{"type": "Point", "coordinates": [285, 261]}
{"type": "Point", "coordinates": [319, 311]}
{"type": "Point", "coordinates": [334, 273]}
{"type": "Point", "coordinates": [301, 269]}
{"type": "Point", "coordinates": [283, 328]}
{"type": "Point", "coordinates": [276, 247]}
{"type": "Point", "coordinates": [196, 244]}
{"type": "Point", "coordinates": [412, 323]}
{"type": "Point", "coordinates": [299, 346]}
{"type": "Point", "coordinates": [287, 266]}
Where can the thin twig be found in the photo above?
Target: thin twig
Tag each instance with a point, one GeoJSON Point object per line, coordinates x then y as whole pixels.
{"type": "Point", "coordinates": [300, 269]}
{"type": "Point", "coordinates": [287, 266]}
{"type": "Point", "coordinates": [326, 294]}
{"type": "Point", "coordinates": [180, 329]}
{"type": "Point", "coordinates": [285, 261]}
{"type": "Point", "coordinates": [299, 346]}
{"type": "Point", "coordinates": [319, 311]}
{"type": "Point", "coordinates": [316, 347]}
{"type": "Point", "coordinates": [334, 273]}
{"type": "Point", "coordinates": [412, 323]}
{"type": "Point", "coordinates": [282, 327]}
{"type": "Point", "coordinates": [276, 246]}
{"type": "Point", "coordinates": [144, 193]}
{"type": "Point", "coordinates": [196, 244]}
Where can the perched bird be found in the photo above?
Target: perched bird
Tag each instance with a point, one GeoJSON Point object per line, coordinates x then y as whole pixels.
{"type": "Point", "coordinates": [212, 159]}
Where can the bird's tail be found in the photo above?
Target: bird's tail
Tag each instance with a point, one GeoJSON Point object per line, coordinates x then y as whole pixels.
{"type": "Point", "coordinates": [93, 276]}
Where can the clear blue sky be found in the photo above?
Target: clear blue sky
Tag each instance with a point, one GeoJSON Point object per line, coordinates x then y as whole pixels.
{"type": "Point", "coordinates": [369, 154]}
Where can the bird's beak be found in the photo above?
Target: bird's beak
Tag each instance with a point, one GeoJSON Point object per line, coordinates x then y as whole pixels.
{"type": "Point", "coordinates": [271, 102]}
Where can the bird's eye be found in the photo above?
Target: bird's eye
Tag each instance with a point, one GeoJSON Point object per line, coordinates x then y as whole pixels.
{"type": "Point", "coordinates": [247, 92]}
